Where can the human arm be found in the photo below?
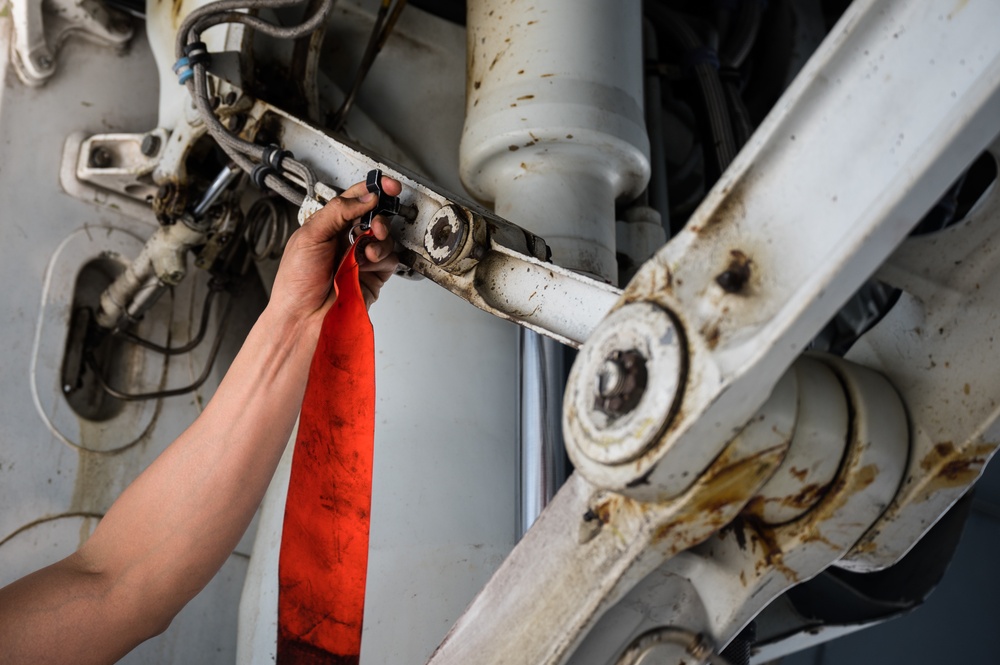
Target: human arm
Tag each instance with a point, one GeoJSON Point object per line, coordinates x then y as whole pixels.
{"type": "Point", "coordinates": [175, 525]}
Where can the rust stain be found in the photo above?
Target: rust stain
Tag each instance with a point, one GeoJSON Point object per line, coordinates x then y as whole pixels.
{"type": "Point", "coordinates": [176, 7]}
{"type": "Point", "coordinates": [940, 452]}
{"type": "Point", "coordinates": [737, 273]}
{"type": "Point", "coordinates": [711, 334]}
{"type": "Point", "coordinates": [799, 473]}
{"type": "Point", "coordinates": [749, 531]}
{"type": "Point", "coordinates": [801, 501]}
{"type": "Point", "coordinates": [864, 547]}
{"type": "Point", "coordinates": [773, 557]}
{"type": "Point", "coordinates": [602, 511]}
{"type": "Point", "coordinates": [730, 210]}
{"type": "Point", "coordinates": [720, 490]}
{"type": "Point", "coordinates": [952, 467]}
{"type": "Point", "coordinates": [959, 6]}
{"type": "Point", "coordinates": [806, 497]}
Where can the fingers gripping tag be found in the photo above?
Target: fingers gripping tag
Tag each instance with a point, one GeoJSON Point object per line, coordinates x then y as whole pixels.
{"type": "Point", "coordinates": [323, 562]}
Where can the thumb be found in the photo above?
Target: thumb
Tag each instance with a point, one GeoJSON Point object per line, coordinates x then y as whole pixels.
{"type": "Point", "coordinates": [337, 216]}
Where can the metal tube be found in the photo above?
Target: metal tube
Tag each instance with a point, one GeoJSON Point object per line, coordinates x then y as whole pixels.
{"type": "Point", "coordinates": [542, 457]}
{"type": "Point", "coordinates": [222, 181]}
{"type": "Point", "coordinates": [554, 132]}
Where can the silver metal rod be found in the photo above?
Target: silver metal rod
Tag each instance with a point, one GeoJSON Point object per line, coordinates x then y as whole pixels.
{"type": "Point", "coordinates": [542, 457]}
{"type": "Point", "coordinates": [225, 178]}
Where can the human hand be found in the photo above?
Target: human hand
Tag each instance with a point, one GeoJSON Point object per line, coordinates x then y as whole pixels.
{"type": "Point", "coordinates": [303, 287]}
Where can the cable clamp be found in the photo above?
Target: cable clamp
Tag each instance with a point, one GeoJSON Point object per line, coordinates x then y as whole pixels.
{"type": "Point", "coordinates": [701, 55]}
{"type": "Point", "coordinates": [260, 173]}
{"type": "Point", "coordinates": [195, 53]}
{"type": "Point", "coordinates": [273, 156]}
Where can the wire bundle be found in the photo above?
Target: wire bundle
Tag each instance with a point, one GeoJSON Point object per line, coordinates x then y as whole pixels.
{"type": "Point", "coordinates": [267, 164]}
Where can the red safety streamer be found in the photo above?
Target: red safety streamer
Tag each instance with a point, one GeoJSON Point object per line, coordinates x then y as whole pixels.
{"type": "Point", "coordinates": [323, 563]}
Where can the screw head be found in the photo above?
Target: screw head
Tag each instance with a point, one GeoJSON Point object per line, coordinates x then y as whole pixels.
{"type": "Point", "coordinates": [621, 382]}
{"type": "Point", "coordinates": [623, 387]}
{"type": "Point", "coordinates": [150, 145]}
{"type": "Point", "coordinates": [100, 158]}
{"type": "Point", "coordinates": [445, 236]}
{"type": "Point", "coordinates": [234, 123]}
{"type": "Point", "coordinates": [611, 378]}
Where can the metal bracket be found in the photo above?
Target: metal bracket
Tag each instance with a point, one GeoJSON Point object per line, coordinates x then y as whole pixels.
{"type": "Point", "coordinates": [40, 28]}
{"type": "Point", "coordinates": [122, 163]}
{"type": "Point", "coordinates": [484, 259]}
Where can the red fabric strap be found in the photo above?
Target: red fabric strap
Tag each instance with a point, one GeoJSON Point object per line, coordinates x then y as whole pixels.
{"type": "Point", "coordinates": [323, 562]}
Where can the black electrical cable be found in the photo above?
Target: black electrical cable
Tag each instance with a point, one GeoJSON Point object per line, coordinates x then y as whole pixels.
{"type": "Point", "coordinates": [244, 153]}
{"type": "Point", "coordinates": [206, 309]}
{"type": "Point", "coordinates": [385, 21]}
{"type": "Point", "coordinates": [742, 125]}
{"type": "Point", "coordinates": [722, 146]}
{"type": "Point", "coordinates": [172, 392]}
{"type": "Point", "coordinates": [741, 39]}
{"type": "Point", "coordinates": [732, 55]}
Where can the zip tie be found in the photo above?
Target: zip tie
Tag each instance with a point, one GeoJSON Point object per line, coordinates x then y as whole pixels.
{"type": "Point", "coordinates": [702, 55]}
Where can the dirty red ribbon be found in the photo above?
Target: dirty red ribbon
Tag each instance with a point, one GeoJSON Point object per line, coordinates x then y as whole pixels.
{"type": "Point", "coordinates": [323, 563]}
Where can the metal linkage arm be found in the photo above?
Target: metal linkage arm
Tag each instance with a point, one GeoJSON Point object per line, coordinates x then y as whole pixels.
{"type": "Point", "coordinates": [859, 147]}
{"type": "Point", "coordinates": [852, 156]}
{"type": "Point", "coordinates": [937, 345]}
{"type": "Point", "coordinates": [484, 259]}
{"type": "Point", "coordinates": [590, 547]}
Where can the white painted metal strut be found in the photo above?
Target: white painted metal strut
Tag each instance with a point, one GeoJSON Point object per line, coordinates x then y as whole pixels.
{"type": "Point", "coordinates": [499, 267]}
{"type": "Point", "coordinates": [937, 346]}
{"type": "Point", "coordinates": [854, 153]}
{"type": "Point", "coordinates": [852, 156]}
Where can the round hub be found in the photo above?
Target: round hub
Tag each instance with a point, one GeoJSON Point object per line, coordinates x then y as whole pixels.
{"type": "Point", "coordinates": [624, 385]}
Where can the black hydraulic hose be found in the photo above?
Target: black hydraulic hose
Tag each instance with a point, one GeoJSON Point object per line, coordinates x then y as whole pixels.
{"type": "Point", "coordinates": [742, 125]}
{"type": "Point", "coordinates": [385, 21]}
{"type": "Point", "coordinates": [170, 392]}
{"type": "Point", "coordinates": [698, 59]}
{"type": "Point", "coordinates": [741, 38]}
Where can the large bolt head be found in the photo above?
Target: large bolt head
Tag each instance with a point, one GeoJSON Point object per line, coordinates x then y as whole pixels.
{"type": "Point", "coordinates": [621, 381]}
{"type": "Point", "coordinates": [150, 145]}
{"type": "Point", "coordinates": [446, 234]}
{"type": "Point", "coordinates": [625, 385]}
{"type": "Point", "coordinates": [101, 158]}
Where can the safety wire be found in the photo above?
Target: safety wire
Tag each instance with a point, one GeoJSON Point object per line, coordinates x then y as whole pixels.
{"type": "Point", "coordinates": [268, 165]}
